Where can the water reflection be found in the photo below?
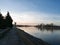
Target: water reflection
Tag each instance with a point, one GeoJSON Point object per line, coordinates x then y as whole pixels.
{"type": "Point", "coordinates": [42, 29]}
{"type": "Point", "coordinates": [51, 36]}
{"type": "Point", "coordinates": [47, 29]}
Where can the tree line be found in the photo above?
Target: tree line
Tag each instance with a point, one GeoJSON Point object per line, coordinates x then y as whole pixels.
{"type": "Point", "coordinates": [5, 21]}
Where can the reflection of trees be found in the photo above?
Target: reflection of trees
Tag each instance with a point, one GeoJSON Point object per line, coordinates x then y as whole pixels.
{"type": "Point", "coordinates": [43, 29]}
{"type": "Point", "coordinates": [48, 27]}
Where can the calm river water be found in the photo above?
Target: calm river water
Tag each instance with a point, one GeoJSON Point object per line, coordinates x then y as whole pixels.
{"type": "Point", "coordinates": [50, 36]}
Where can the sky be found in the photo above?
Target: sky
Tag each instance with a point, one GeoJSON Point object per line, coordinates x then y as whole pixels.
{"type": "Point", "coordinates": [32, 11]}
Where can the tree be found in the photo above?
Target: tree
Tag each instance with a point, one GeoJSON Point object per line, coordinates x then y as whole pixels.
{"type": "Point", "coordinates": [1, 21]}
{"type": "Point", "coordinates": [8, 20]}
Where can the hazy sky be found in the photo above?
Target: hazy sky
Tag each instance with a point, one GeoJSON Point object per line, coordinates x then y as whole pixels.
{"type": "Point", "coordinates": [32, 11]}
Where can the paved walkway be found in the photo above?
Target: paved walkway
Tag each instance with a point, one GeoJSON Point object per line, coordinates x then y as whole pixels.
{"type": "Point", "coordinates": [11, 38]}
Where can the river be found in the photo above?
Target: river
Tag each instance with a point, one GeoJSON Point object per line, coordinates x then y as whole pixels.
{"type": "Point", "coordinates": [50, 36]}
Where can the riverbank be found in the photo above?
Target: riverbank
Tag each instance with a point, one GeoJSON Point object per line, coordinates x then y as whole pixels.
{"type": "Point", "coordinates": [16, 36]}
{"type": "Point", "coordinates": [29, 39]}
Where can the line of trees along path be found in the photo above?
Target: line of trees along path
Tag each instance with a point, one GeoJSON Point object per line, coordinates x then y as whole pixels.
{"type": "Point", "coordinates": [5, 21]}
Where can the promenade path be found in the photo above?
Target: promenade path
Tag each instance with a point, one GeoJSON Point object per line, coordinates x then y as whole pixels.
{"type": "Point", "coordinates": [15, 36]}
{"type": "Point", "coordinates": [9, 37]}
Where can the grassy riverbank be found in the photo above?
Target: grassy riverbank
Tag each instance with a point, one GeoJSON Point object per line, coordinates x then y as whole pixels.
{"type": "Point", "coordinates": [29, 39]}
